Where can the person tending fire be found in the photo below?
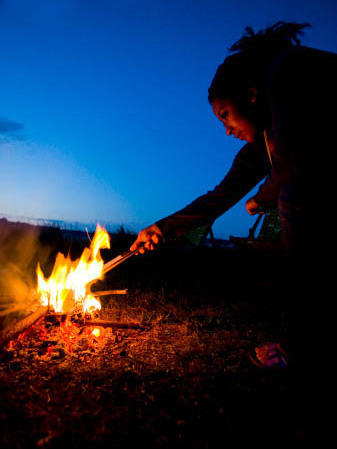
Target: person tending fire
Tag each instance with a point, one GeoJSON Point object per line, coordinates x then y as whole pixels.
{"type": "Point", "coordinates": [280, 97]}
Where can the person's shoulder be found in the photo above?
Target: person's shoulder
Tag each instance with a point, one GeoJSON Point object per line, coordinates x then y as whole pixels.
{"type": "Point", "coordinates": [296, 69]}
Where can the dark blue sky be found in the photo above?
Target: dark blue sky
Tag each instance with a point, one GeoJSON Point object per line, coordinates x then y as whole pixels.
{"type": "Point", "coordinates": [104, 114]}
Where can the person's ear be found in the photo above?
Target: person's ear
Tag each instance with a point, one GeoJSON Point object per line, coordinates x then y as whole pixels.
{"type": "Point", "coordinates": [252, 95]}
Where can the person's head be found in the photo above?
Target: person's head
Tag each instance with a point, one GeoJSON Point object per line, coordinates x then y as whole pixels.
{"type": "Point", "coordinates": [242, 124]}
{"type": "Point", "coordinates": [237, 87]}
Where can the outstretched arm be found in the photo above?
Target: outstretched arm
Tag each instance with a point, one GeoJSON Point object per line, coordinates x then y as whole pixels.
{"type": "Point", "coordinates": [249, 167]}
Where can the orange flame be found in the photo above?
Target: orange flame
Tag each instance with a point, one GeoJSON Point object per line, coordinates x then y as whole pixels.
{"type": "Point", "coordinates": [67, 287]}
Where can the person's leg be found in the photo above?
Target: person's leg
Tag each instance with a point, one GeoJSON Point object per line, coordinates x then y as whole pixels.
{"type": "Point", "coordinates": [305, 293]}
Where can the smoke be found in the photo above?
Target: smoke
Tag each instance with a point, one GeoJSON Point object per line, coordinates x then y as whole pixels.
{"type": "Point", "coordinates": [20, 251]}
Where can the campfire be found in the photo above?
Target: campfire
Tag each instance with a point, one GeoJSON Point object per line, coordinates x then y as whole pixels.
{"type": "Point", "coordinates": [67, 290]}
{"type": "Point", "coordinates": [65, 300]}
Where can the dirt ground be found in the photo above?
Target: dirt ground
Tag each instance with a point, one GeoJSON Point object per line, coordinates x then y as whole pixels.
{"type": "Point", "coordinates": [183, 379]}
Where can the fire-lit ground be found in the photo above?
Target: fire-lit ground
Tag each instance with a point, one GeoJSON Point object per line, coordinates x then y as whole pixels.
{"type": "Point", "coordinates": [183, 379]}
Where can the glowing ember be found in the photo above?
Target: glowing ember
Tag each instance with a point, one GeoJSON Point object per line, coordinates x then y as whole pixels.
{"type": "Point", "coordinates": [96, 332]}
{"type": "Point", "coordinates": [67, 288]}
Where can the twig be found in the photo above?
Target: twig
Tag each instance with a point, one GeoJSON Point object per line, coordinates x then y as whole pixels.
{"type": "Point", "coordinates": [88, 234]}
{"type": "Point", "coordinates": [22, 325]}
{"type": "Point", "coordinates": [112, 324]}
{"type": "Point", "coordinates": [110, 292]}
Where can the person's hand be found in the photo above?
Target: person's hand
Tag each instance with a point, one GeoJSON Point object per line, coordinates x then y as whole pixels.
{"type": "Point", "coordinates": [147, 239]}
{"type": "Point", "coordinates": [253, 207]}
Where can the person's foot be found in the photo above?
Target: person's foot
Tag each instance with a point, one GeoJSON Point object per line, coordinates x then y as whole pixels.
{"type": "Point", "coordinates": [270, 355]}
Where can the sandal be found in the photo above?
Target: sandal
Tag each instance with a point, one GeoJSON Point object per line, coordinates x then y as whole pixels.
{"type": "Point", "coordinates": [270, 355]}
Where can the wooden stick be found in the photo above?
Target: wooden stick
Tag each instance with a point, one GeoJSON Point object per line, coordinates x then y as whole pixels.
{"type": "Point", "coordinates": [22, 325]}
{"type": "Point", "coordinates": [110, 292]}
{"type": "Point", "coordinates": [112, 324]}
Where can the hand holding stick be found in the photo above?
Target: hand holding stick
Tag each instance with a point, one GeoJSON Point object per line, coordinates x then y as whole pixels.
{"type": "Point", "coordinates": [148, 239]}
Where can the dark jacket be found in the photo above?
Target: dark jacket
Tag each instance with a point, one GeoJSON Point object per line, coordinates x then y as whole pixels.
{"type": "Point", "coordinates": [301, 93]}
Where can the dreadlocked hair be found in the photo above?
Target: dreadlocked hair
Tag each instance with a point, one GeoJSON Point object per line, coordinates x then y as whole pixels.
{"type": "Point", "coordinates": [281, 35]}
{"type": "Point", "coordinates": [251, 56]}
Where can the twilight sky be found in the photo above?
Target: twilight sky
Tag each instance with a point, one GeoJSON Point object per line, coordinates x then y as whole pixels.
{"type": "Point", "coordinates": [104, 114]}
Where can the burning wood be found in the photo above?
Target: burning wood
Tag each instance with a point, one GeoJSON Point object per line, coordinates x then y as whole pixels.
{"type": "Point", "coordinates": [67, 291]}
{"type": "Point", "coordinates": [68, 286]}
{"type": "Point", "coordinates": [110, 292]}
{"type": "Point", "coordinates": [23, 324]}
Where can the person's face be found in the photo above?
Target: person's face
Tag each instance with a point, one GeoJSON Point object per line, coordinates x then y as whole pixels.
{"type": "Point", "coordinates": [236, 123]}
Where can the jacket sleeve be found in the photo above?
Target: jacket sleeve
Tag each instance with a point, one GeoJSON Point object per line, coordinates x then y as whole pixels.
{"type": "Point", "coordinates": [249, 167]}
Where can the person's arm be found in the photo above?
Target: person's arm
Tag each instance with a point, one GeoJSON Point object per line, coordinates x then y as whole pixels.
{"type": "Point", "coordinates": [250, 166]}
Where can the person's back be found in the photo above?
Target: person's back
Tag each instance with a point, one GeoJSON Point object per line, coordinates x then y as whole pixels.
{"type": "Point", "coordinates": [302, 90]}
